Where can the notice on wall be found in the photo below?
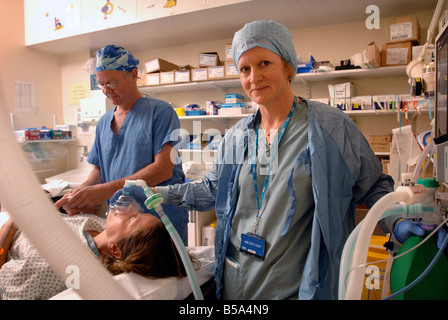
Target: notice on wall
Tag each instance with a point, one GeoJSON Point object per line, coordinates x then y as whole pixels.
{"type": "Point", "coordinates": [77, 91]}
{"type": "Point", "coordinates": [24, 100]}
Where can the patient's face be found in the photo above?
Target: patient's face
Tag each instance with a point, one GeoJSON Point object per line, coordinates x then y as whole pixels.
{"type": "Point", "coordinates": [121, 224]}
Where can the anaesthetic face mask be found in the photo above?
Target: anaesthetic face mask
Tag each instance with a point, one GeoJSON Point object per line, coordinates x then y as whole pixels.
{"type": "Point", "coordinates": [125, 204]}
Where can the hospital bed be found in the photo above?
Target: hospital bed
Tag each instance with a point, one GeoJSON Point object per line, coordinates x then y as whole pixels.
{"type": "Point", "coordinates": [172, 288]}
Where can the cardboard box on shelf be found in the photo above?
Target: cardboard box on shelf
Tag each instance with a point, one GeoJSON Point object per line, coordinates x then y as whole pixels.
{"type": "Point", "coordinates": [341, 90]}
{"type": "Point", "coordinates": [160, 65]}
{"type": "Point", "coordinates": [403, 29]}
{"type": "Point", "coordinates": [208, 59]}
{"type": "Point", "coordinates": [216, 73]}
{"type": "Point", "coordinates": [396, 54]}
{"type": "Point", "coordinates": [232, 108]}
{"type": "Point", "coordinates": [167, 77]}
{"type": "Point", "coordinates": [149, 79]}
{"type": "Point", "coordinates": [231, 71]}
{"type": "Point", "coordinates": [372, 56]}
{"type": "Point", "coordinates": [199, 74]}
{"type": "Point", "coordinates": [228, 51]}
{"type": "Point", "coordinates": [182, 74]}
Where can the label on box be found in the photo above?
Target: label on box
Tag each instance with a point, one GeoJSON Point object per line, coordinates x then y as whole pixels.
{"type": "Point", "coordinates": [231, 70]}
{"type": "Point", "coordinates": [401, 31]}
{"type": "Point", "coordinates": [182, 76]}
{"type": "Point", "coordinates": [153, 79]}
{"type": "Point", "coordinates": [152, 65]}
{"type": "Point", "coordinates": [342, 90]}
{"type": "Point", "coordinates": [397, 56]}
{"type": "Point", "coordinates": [167, 77]}
{"type": "Point", "coordinates": [208, 59]}
{"type": "Point", "coordinates": [199, 74]}
{"type": "Point", "coordinates": [380, 143]}
{"type": "Point", "coordinates": [216, 72]}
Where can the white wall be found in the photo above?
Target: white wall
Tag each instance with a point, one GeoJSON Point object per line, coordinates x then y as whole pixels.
{"type": "Point", "coordinates": [52, 74]}
{"type": "Point", "coordinates": [24, 64]}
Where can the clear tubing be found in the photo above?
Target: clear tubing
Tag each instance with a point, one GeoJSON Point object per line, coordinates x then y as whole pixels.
{"type": "Point", "coordinates": [355, 251]}
{"type": "Point", "coordinates": [425, 272]}
{"type": "Point", "coordinates": [36, 216]}
{"type": "Point", "coordinates": [360, 245]}
{"type": "Point", "coordinates": [154, 201]}
{"type": "Point", "coordinates": [345, 274]}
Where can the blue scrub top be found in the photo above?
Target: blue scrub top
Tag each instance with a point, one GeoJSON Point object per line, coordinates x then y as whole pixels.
{"type": "Point", "coordinates": [149, 124]}
{"type": "Point", "coordinates": [146, 128]}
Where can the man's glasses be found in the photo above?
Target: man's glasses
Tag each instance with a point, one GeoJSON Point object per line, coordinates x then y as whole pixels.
{"type": "Point", "coordinates": [111, 86]}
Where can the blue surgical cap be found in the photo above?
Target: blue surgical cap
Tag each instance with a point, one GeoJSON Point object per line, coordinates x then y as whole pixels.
{"type": "Point", "coordinates": [266, 34]}
{"type": "Point", "coordinates": [113, 57]}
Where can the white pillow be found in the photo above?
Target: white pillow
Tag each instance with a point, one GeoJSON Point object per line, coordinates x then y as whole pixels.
{"type": "Point", "coordinates": [142, 288]}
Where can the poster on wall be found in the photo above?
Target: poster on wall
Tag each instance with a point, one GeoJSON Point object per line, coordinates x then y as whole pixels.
{"type": "Point", "coordinates": [24, 97]}
{"type": "Point", "coordinates": [47, 20]}
{"type": "Point", "coordinates": [103, 14]}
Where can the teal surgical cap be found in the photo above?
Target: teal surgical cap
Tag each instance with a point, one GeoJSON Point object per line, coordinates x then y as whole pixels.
{"type": "Point", "coordinates": [266, 34]}
{"type": "Point", "coordinates": [113, 57]}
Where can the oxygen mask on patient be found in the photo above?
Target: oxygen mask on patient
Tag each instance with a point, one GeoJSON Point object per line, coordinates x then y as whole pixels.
{"type": "Point", "coordinates": [125, 204]}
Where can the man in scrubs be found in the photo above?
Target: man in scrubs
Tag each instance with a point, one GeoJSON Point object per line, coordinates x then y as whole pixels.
{"type": "Point", "coordinates": [133, 141]}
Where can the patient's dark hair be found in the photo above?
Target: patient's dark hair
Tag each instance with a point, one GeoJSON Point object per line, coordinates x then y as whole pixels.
{"type": "Point", "coordinates": [150, 253]}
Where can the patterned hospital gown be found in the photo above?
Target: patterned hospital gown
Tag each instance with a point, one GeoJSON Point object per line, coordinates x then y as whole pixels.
{"type": "Point", "coordinates": [27, 276]}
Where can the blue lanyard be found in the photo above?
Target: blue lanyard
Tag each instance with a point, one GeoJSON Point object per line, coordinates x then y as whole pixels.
{"type": "Point", "coordinates": [254, 165]}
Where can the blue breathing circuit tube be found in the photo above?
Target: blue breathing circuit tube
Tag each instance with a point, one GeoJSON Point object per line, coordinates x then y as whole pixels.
{"type": "Point", "coordinates": [154, 201]}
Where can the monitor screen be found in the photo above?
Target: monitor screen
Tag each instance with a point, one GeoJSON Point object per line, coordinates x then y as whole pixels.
{"type": "Point", "coordinates": [441, 84]}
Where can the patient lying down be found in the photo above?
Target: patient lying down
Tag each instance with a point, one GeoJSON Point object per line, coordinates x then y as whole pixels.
{"type": "Point", "coordinates": [132, 242]}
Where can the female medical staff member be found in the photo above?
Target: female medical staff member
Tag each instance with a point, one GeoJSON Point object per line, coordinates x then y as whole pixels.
{"type": "Point", "coordinates": [285, 181]}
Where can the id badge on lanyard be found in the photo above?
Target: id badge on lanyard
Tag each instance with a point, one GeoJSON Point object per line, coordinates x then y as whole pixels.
{"type": "Point", "coordinates": [251, 243]}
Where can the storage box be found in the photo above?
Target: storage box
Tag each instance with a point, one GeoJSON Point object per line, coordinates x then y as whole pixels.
{"type": "Point", "coordinates": [396, 54]}
{"type": "Point", "coordinates": [149, 79]}
{"type": "Point", "coordinates": [234, 98]}
{"type": "Point", "coordinates": [46, 134]}
{"type": "Point", "coordinates": [152, 79]}
{"type": "Point", "coordinates": [232, 108]}
{"type": "Point", "coordinates": [231, 70]}
{"type": "Point", "coordinates": [28, 134]}
{"type": "Point", "coordinates": [403, 29]}
{"type": "Point", "coordinates": [56, 134]}
{"type": "Point", "coordinates": [183, 74]}
{"type": "Point", "coordinates": [158, 64]}
{"type": "Point", "coordinates": [228, 51]}
{"type": "Point", "coordinates": [380, 143]}
{"type": "Point", "coordinates": [372, 56]}
{"type": "Point", "coordinates": [341, 90]}
{"type": "Point", "coordinates": [167, 77]}
{"type": "Point", "coordinates": [216, 73]}
{"type": "Point", "coordinates": [306, 67]}
{"type": "Point", "coordinates": [200, 74]}
{"type": "Point", "coordinates": [385, 163]}
{"type": "Point", "coordinates": [208, 59]}
{"type": "Point", "coordinates": [195, 112]}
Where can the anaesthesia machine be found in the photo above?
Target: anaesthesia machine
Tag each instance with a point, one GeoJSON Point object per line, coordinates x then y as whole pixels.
{"type": "Point", "coordinates": [353, 261]}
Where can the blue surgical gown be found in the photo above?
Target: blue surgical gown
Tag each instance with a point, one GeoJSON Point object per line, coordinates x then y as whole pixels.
{"type": "Point", "coordinates": [344, 172]}
{"type": "Point", "coordinates": [149, 124]}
